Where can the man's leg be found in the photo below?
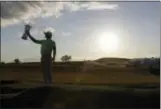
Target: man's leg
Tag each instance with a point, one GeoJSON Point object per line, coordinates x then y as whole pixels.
{"type": "Point", "coordinates": [48, 70]}
{"type": "Point", "coordinates": [43, 65]}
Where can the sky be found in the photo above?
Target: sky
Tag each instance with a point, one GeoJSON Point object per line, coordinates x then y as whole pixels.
{"type": "Point", "coordinates": [77, 28]}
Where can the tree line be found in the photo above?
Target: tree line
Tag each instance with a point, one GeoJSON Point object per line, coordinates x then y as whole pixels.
{"type": "Point", "coordinates": [65, 58]}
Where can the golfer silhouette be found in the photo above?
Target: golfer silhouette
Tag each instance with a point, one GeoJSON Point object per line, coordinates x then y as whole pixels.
{"type": "Point", "coordinates": [47, 46]}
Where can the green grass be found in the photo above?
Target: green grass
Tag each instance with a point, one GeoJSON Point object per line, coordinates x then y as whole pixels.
{"type": "Point", "coordinates": [108, 77]}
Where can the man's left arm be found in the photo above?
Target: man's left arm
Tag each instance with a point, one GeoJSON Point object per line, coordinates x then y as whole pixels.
{"type": "Point", "coordinates": [54, 51]}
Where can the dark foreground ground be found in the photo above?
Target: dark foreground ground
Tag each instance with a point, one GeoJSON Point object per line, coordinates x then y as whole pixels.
{"type": "Point", "coordinates": [76, 97]}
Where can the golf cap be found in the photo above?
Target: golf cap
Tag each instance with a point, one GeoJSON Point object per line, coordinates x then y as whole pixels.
{"type": "Point", "coordinates": [48, 33]}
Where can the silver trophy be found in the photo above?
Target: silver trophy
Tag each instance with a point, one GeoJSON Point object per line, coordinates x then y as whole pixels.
{"type": "Point", "coordinates": [27, 29]}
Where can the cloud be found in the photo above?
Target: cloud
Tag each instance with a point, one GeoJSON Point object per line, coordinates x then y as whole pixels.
{"type": "Point", "coordinates": [15, 12]}
{"type": "Point", "coordinates": [66, 33]}
{"type": "Point", "coordinates": [49, 29]}
{"type": "Point", "coordinates": [99, 6]}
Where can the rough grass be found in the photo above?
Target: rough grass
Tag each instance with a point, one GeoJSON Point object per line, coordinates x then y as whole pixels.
{"type": "Point", "coordinates": [60, 98]}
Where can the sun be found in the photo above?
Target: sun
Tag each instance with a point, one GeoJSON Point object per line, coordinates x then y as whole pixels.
{"type": "Point", "coordinates": [109, 42]}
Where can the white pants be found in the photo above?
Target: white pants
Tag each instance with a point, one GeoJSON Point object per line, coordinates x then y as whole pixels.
{"type": "Point", "coordinates": [46, 62]}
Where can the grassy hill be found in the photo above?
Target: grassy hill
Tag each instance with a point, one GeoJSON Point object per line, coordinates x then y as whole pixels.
{"type": "Point", "coordinates": [113, 60]}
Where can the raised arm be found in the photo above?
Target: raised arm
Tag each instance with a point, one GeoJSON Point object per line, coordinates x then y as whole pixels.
{"type": "Point", "coordinates": [54, 51]}
{"type": "Point", "coordinates": [33, 39]}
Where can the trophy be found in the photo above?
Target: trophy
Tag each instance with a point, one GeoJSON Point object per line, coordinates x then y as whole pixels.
{"type": "Point", "coordinates": [27, 29]}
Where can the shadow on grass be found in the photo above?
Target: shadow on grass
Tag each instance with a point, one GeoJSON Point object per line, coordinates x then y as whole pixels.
{"type": "Point", "coordinates": [6, 82]}
{"type": "Point", "coordinates": [94, 99]}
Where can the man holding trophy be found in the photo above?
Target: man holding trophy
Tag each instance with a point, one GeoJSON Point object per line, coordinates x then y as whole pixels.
{"type": "Point", "coordinates": [47, 46]}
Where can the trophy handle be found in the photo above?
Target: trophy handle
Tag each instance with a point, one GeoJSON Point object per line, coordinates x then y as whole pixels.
{"type": "Point", "coordinates": [24, 37]}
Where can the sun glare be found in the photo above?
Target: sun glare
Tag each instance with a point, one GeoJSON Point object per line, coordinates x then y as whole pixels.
{"type": "Point", "coordinates": [109, 42]}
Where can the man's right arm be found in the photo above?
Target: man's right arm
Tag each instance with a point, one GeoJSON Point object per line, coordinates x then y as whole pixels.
{"type": "Point", "coordinates": [33, 39]}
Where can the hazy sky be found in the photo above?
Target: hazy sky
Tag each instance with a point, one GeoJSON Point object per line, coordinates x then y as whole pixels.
{"type": "Point", "coordinates": [78, 27]}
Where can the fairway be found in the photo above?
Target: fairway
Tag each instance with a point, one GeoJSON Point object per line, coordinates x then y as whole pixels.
{"type": "Point", "coordinates": [97, 78]}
